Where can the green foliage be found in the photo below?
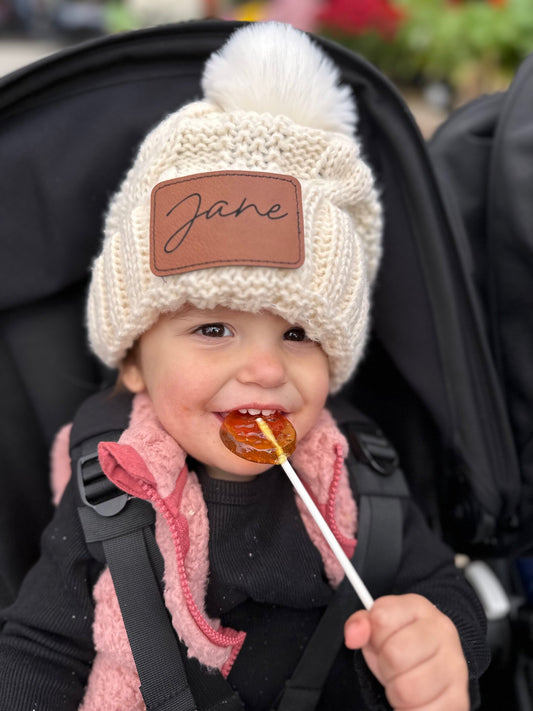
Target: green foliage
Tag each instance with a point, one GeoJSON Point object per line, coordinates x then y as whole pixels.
{"type": "Point", "coordinates": [443, 40]}
{"type": "Point", "coordinates": [118, 18]}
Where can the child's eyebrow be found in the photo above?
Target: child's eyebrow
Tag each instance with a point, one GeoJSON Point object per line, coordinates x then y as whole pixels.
{"type": "Point", "coordinates": [174, 315]}
{"type": "Point", "coordinates": [192, 314]}
{"type": "Point", "coordinates": [183, 311]}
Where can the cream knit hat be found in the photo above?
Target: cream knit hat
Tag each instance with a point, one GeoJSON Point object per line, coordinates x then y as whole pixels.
{"type": "Point", "coordinates": [276, 129]}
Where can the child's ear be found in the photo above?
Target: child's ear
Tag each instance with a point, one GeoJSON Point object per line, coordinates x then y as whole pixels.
{"type": "Point", "coordinates": [131, 375]}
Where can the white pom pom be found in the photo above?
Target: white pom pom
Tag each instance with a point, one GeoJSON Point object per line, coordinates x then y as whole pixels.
{"type": "Point", "coordinates": [272, 68]}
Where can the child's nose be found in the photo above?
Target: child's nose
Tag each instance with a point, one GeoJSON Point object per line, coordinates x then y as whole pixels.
{"type": "Point", "coordinates": [264, 367]}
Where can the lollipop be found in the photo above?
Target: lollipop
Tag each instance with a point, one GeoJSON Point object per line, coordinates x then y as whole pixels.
{"type": "Point", "coordinates": [270, 439]}
{"type": "Point", "coordinates": [242, 435]}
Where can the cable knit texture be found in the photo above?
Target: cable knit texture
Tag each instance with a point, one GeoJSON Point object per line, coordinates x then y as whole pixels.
{"type": "Point", "coordinates": [146, 462]}
{"type": "Point", "coordinates": [272, 103]}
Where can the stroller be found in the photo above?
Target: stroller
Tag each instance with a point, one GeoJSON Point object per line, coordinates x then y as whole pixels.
{"type": "Point", "coordinates": [69, 126]}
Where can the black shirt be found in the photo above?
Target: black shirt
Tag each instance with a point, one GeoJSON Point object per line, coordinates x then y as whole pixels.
{"type": "Point", "coordinates": [266, 577]}
{"type": "Point", "coordinates": [46, 647]}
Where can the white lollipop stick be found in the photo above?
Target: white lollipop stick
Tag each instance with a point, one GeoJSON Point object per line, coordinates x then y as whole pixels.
{"type": "Point", "coordinates": [352, 575]}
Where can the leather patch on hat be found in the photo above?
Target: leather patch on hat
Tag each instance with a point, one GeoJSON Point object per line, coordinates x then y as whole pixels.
{"type": "Point", "coordinates": [226, 218]}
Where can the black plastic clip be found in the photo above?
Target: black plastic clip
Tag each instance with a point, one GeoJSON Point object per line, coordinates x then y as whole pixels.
{"type": "Point", "coordinates": [374, 450]}
{"type": "Point", "coordinates": [95, 488]}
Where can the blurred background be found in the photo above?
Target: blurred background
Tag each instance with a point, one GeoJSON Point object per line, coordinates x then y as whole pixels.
{"type": "Point", "coordinates": [440, 53]}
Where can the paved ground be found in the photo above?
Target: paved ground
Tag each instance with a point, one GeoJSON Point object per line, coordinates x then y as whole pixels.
{"type": "Point", "coordinates": [427, 116]}
{"type": "Point", "coordinates": [15, 53]}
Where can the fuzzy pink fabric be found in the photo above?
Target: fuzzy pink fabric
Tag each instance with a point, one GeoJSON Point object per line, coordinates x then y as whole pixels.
{"type": "Point", "coordinates": [319, 460]}
{"type": "Point", "coordinates": [182, 533]}
{"type": "Point", "coordinates": [60, 463]}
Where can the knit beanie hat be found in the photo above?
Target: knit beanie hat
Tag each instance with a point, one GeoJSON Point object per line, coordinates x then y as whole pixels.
{"type": "Point", "coordinates": [254, 198]}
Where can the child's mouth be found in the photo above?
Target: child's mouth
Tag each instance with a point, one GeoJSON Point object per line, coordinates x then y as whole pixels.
{"type": "Point", "coordinates": [254, 412]}
{"type": "Point", "coordinates": [241, 434]}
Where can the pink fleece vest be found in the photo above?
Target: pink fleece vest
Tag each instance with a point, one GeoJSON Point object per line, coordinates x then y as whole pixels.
{"type": "Point", "coordinates": [147, 463]}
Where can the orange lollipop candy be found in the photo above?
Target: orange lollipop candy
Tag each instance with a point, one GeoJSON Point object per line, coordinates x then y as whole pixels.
{"type": "Point", "coordinates": [242, 435]}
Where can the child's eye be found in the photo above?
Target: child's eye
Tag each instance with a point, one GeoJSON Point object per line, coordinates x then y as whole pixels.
{"type": "Point", "coordinates": [296, 333]}
{"type": "Point", "coordinates": [213, 330]}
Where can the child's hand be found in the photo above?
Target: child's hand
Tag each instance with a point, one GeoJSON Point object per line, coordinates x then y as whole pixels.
{"type": "Point", "coordinates": [414, 651]}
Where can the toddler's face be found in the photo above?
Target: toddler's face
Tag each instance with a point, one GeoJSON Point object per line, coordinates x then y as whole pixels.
{"type": "Point", "coordinates": [198, 365]}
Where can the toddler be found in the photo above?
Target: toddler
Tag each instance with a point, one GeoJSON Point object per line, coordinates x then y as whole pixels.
{"type": "Point", "coordinates": [236, 275]}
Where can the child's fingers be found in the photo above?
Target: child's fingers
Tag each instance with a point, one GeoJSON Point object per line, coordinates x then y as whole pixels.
{"type": "Point", "coordinates": [407, 647]}
{"type": "Point", "coordinates": [357, 630]}
{"type": "Point", "coordinates": [375, 626]}
{"type": "Point", "coordinates": [390, 614]}
{"type": "Point", "coordinates": [418, 687]}
{"type": "Point", "coordinates": [422, 690]}
{"type": "Point", "coordinates": [415, 651]}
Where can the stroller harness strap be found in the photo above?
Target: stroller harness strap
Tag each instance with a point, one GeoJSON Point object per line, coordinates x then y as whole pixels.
{"type": "Point", "coordinates": [130, 552]}
{"type": "Point", "coordinates": [124, 526]}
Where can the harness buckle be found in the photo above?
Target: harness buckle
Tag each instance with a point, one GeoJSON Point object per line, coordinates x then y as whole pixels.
{"type": "Point", "coordinates": [96, 490]}
{"type": "Point", "coordinates": [371, 448]}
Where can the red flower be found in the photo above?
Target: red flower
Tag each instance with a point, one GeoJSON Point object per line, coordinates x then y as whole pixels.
{"type": "Point", "coordinates": [357, 16]}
